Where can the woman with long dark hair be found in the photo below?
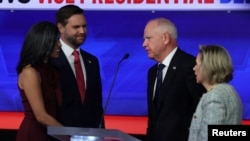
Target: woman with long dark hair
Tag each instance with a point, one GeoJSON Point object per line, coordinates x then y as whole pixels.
{"type": "Point", "coordinates": [38, 82]}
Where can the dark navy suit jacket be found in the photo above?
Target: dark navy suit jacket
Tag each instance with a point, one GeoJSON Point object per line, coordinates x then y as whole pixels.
{"type": "Point", "coordinates": [72, 112]}
{"type": "Point", "coordinates": [178, 99]}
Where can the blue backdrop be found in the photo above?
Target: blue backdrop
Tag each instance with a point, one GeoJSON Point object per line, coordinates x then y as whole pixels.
{"type": "Point", "coordinates": [114, 33]}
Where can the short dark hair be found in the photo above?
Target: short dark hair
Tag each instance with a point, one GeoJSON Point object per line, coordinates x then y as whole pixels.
{"type": "Point", "coordinates": [38, 44]}
{"type": "Point", "coordinates": [65, 12]}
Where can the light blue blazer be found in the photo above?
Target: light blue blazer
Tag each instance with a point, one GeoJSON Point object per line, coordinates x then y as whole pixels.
{"type": "Point", "coordinates": [219, 106]}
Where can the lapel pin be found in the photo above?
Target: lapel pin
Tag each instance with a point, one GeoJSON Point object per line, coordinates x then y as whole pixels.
{"type": "Point", "coordinates": [174, 67]}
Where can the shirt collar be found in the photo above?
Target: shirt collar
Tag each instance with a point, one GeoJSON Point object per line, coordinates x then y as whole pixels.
{"type": "Point", "coordinates": [67, 49]}
{"type": "Point", "coordinates": [168, 58]}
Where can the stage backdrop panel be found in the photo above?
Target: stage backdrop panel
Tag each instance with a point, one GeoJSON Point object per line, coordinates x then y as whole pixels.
{"type": "Point", "coordinates": [115, 33]}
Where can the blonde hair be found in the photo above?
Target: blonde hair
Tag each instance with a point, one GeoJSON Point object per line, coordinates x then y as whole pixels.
{"type": "Point", "coordinates": [216, 64]}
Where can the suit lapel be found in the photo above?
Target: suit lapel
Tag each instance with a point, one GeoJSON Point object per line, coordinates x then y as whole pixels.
{"type": "Point", "coordinates": [171, 72]}
{"type": "Point", "coordinates": [152, 79]}
{"type": "Point", "coordinates": [64, 65]}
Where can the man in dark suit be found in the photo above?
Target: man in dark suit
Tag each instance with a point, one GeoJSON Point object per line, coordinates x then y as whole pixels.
{"type": "Point", "coordinates": [169, 117]}
{"type": "Point", "coordinates": [74, 111]}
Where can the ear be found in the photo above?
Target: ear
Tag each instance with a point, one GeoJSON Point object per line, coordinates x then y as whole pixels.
{"type": "Point", "coordinates": [60, 27]}
{"type": "Point", "coordinates": [166, 38]}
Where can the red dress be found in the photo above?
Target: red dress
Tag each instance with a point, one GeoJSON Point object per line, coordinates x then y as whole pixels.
{"type": "Point", "coordinates": [30, 129]}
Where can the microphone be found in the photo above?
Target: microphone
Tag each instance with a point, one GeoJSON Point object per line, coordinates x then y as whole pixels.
{"type": "Point", "coordinates": [111, 88]}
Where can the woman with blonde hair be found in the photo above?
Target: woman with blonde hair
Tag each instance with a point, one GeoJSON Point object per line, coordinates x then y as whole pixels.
{"type": "Point", "coordinates": [221, 104]}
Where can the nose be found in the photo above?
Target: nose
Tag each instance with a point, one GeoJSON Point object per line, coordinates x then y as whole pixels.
{"type": "Point", "coordinates": [83, 30]}
{"type": "Point", "coordinates": [144, 44]}
{"type": "Point", "coordinates": [194, 68]}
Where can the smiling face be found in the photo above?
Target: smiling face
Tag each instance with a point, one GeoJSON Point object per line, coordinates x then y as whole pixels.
{"type": "Point", "coordinates": [55, 52]}
{"type": "Point", "coordinates": [74, 33]}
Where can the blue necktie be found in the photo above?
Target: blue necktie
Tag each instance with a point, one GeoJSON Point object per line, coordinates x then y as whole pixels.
{"type": "Point", "coordinates": [158, 83]}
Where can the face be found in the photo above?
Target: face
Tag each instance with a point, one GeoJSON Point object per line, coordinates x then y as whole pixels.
{"type": "Point", "coordinates": [197, 69]}
{"type": "Point", "coordinates": [75, 31]}
{"type": "Point", "coordinates": [154, 41]}
{"type": "Point", "coordinates": [55, 52]}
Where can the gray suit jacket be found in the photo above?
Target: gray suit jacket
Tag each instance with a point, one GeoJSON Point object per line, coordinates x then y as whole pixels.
{"type": "Point", "coordinates": [220, 106]}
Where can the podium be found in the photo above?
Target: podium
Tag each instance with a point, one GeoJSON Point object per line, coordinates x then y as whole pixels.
{"type": "Point", "coordinates": [88, 134]}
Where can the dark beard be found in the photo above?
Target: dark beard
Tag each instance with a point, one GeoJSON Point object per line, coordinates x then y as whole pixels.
{"type": "Point", "coordinates": [74, 42]}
